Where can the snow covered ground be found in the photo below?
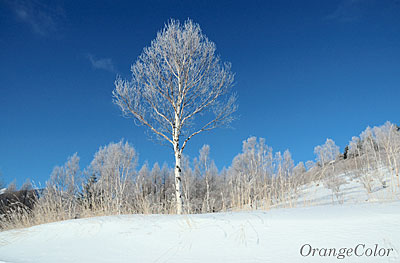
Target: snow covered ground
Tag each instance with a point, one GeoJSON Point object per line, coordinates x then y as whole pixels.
{"type": "Point", "coordinates": [360, 230]}
{"type": "Point", "coordinates": [259, 236]}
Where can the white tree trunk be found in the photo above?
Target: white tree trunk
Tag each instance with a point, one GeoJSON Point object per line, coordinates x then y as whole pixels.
{"type": "Point", "coordinates": [178, 180]}
{"type": "Point", "coordinates": [207, 193]}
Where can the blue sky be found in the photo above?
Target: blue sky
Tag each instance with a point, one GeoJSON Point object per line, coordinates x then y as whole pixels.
{"type": "Point", "coordinates": [305, 71]}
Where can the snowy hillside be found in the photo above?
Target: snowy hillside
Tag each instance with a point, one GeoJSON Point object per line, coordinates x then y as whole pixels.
{"type": "Point", "coordinates": [271, 236]}
{"type": "Point", "coordinates": [350, 190]}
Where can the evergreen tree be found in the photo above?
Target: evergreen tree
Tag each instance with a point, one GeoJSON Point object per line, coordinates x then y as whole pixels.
{"type": "Point", "coordinates": [346, 151]}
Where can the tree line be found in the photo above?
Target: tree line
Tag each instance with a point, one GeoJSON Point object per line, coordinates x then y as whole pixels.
{"type": "Point", "coordinates": [258, 178]}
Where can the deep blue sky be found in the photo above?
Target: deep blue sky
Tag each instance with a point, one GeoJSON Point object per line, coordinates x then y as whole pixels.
{"type": "Point", "coordinates": [305, 71]}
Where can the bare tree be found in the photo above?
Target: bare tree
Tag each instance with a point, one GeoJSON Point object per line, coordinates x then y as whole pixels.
{"type": "Point", "coordinates": [205, 163]}
{"type": "Point", "coordinates": [114, 165]}
{"type": "Point", "coordinates": [326, 153]}
{"type": "Point", "coordinates": [58, 199]}
{"type": "Point", "coordinates": [388, 140]}
{"type": "Point", "coordinates": [208, 170]}
{"type": "Point", "coordinates": [65, 179]}
{"type": "Point", "coordinates": [176, 79]}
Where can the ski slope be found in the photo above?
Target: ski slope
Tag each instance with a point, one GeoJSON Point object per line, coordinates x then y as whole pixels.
{"type": "Point", "coordinates": [258, 236]}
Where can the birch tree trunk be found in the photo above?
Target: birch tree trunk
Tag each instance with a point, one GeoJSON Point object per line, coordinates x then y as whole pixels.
{"type": "Point", "coordinates": [178, 180]}
{"type": "Point", "coordinates": [207, 193]}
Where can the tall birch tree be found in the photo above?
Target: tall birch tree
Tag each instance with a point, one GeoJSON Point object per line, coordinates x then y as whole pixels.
{"type": "Point", "coordinates": [176, 80]}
